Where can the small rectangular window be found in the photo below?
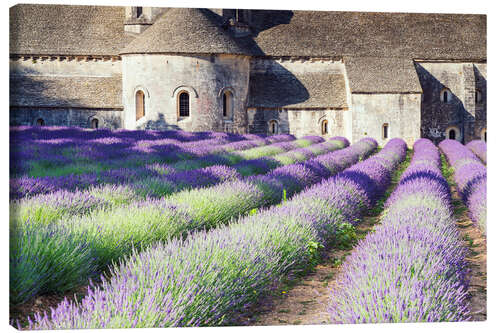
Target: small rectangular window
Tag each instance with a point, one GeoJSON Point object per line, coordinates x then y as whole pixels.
{"type": "Point", "coordinates": [385, 131]}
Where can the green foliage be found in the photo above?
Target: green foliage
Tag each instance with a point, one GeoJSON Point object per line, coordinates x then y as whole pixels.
{"type": "Point", "coordinates": [345, 236]}
{"type": "Point", "coordinates": [46, 258]}
{"type": "Point", "coordinates": [314, 250]}
{"type": "Point", "coordinates": [447, 170]}
{"type": "Point", "coordinates": [46, 168]}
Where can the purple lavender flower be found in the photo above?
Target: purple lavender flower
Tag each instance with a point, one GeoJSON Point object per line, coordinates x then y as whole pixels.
{"type": "Point", "coordinates": [470, 176]}
{"type": "Point", "coordinates": [210, 277]}
{"type": "Point", "coordinates": [412, 267]}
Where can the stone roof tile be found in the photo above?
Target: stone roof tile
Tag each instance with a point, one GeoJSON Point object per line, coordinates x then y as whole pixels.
{"type": "Point", "coordinates": [361, 34]}
{"type": "Point", "coordinates": [297, 90]}
{"type": "Point", "coordinates": [382, 75]}
{"type": "Point", "coordinates": [61, 91]}
{"type": "Point", "coordinates": [186, 30]}
{"type": "Point", "coordinates": [67, 30]}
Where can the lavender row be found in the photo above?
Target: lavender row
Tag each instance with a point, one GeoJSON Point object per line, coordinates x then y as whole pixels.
{"type": "Point", "coordinates": [470, 176]}
{"type": "Point", "coordinates": [108, 235]}
{"type": "Point", "coordinates": [215, 154]}
{"type": "Point", "coordinates": [25, 133]}
{"type": "Point", "coordinates": [241, 154]}
{"type": "Point", "coordinates": [211, 277]}
{"type": "Point", "coordinates": [59, 145]}
{"type": "Point", "coordinates": [172, 182]}
{"type": "Point", "coordinates": [412, 268]}
{"type": "Point", "coordinates": [137, 185]}
{"type": "Point", "coordinates": [478, 147]}
{"type": "Point", "coordinates": [77, 155]}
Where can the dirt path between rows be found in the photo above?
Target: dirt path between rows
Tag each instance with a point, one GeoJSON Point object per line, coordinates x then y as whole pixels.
{"type": "Point", "coordinates": [41, 304]}
{"type": "Point", "coordinates": [476, 242]}
{"type": "Point", "coordinates": [305, 301]}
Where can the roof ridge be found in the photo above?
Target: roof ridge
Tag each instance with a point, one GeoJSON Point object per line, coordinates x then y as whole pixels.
{"type": "Point", "coordinates": [185, 30]}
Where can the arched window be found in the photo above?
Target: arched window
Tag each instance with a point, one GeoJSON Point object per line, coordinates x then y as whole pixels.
{"type": "Point", "coordinates": [227, 105]}
{"type": "Point", "coordinates": [324, 127]}
{"type": "Point", "coordinates": [94, 123]}
{"type": "Point", "coordinates": [446, 95]}
{"type": "Point", "coordinates": [140, 107]}
{"type": "Point", "coordinates": [385, 131]}
{"type": "Point", "coordinates": [273, 126]}
{"type": "Point", "coordinates": [453, 133]}
{"type": "Point", "coordinates": [483, 134]}
{"type": "Point", "coordinates": [40, 122]}
{"type": "Point", "coordinates": [139, 12]}
{"type": "Point", "coordinates": [183, 105]}
{"type": "Point", "coordinates": [478, 96]}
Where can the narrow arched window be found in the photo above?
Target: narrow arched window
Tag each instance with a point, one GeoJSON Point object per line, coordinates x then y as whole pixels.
{"type": "Point", "coordinates": [227, 105]}
{"type": "Point", "coordinates": [478, 97]}
{"type": "Point", "coordinates": [324, 127]}
{"type": "Point", "coordinates": [452, 135]}
{"type": "Point", "coordinates": [94, 123]}
{"type": "Point", "coordinates": [139, 12]}
{"type": "Point", "coordinates": [273, 127]}
{"type": "Point", "coordinates": [140, 107]}
{"type": "Point", "coordinates": [183, 105]}
{"type": "Point", "coordinates": [40, 122]}
{"type": "Point", "coordinates": [446, 95]}
{"type": "Point", "coordinates": [385, 131]}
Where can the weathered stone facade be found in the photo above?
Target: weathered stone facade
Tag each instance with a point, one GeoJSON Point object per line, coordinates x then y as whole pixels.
{"type": "Point", "coordinates": [399, 112]}
{"type": "Point", "coordinates": [205, 78]}
{"type": "Point", "coordinates": [66, 91]}
{"type": "Point", "coordinates": [276, 71]}
{"type": "Point", "coordinates": [299, 122]}
{"type": "Point", "coordinates": [66, 117]}
{"type": "Point", "coordinates": [460, 112]}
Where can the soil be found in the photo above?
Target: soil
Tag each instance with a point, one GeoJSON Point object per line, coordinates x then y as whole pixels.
{"type": "Point", "coordinates": [305, 302]}
{"type": "Point", "coordinates": [475, 240]}
{"type": "Point", "coordinates": [41, 304]}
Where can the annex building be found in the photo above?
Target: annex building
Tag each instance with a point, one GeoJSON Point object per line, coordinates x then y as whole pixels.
{"type": "Point", "coordinates": [353, 74]}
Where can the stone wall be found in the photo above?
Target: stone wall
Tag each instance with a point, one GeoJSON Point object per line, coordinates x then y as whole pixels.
{"type": "Point", "coordinates": [204, 77]}
{"type": "Point", "coordinates": [401, 112]}
{"type": "Point", "coordinates": [298, 122]}
{"type": "Point", "coordinates": [462, 111]}
{"type": "Point", "coordinates": [480, 76]}
{"type": "Point", "coordinates": [64, 66]}
{"type": "Point", "coordinates": [65, 117]}
{"type": "Point", "coordinates": [65, 91]}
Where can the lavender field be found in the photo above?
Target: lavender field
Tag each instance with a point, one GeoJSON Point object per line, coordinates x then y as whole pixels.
{"type": "Point", "coordinates": [171, 228]}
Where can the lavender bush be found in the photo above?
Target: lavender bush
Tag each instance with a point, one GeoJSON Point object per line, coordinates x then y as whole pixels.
{"type": "Point", "coordinates": [211, 277]}
{"type": "Point", "coordinates": [137, 185]}
{"type": "Point", "coordinates": [201, 155]}
{"type": "Point", "coordinates": [470, 176]}
{"type": "Point", "coordinates": [113, 233]}
{"type": "Point", "coordinates": [54, 151]}
{"type": "Point", "coordinates": [412, 267]}
{"type": "Point", "coordinates": [478, 147]}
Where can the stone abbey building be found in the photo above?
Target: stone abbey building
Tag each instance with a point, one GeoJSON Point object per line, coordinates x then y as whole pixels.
{"type": "Point", "coordinates": [353, 74]}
